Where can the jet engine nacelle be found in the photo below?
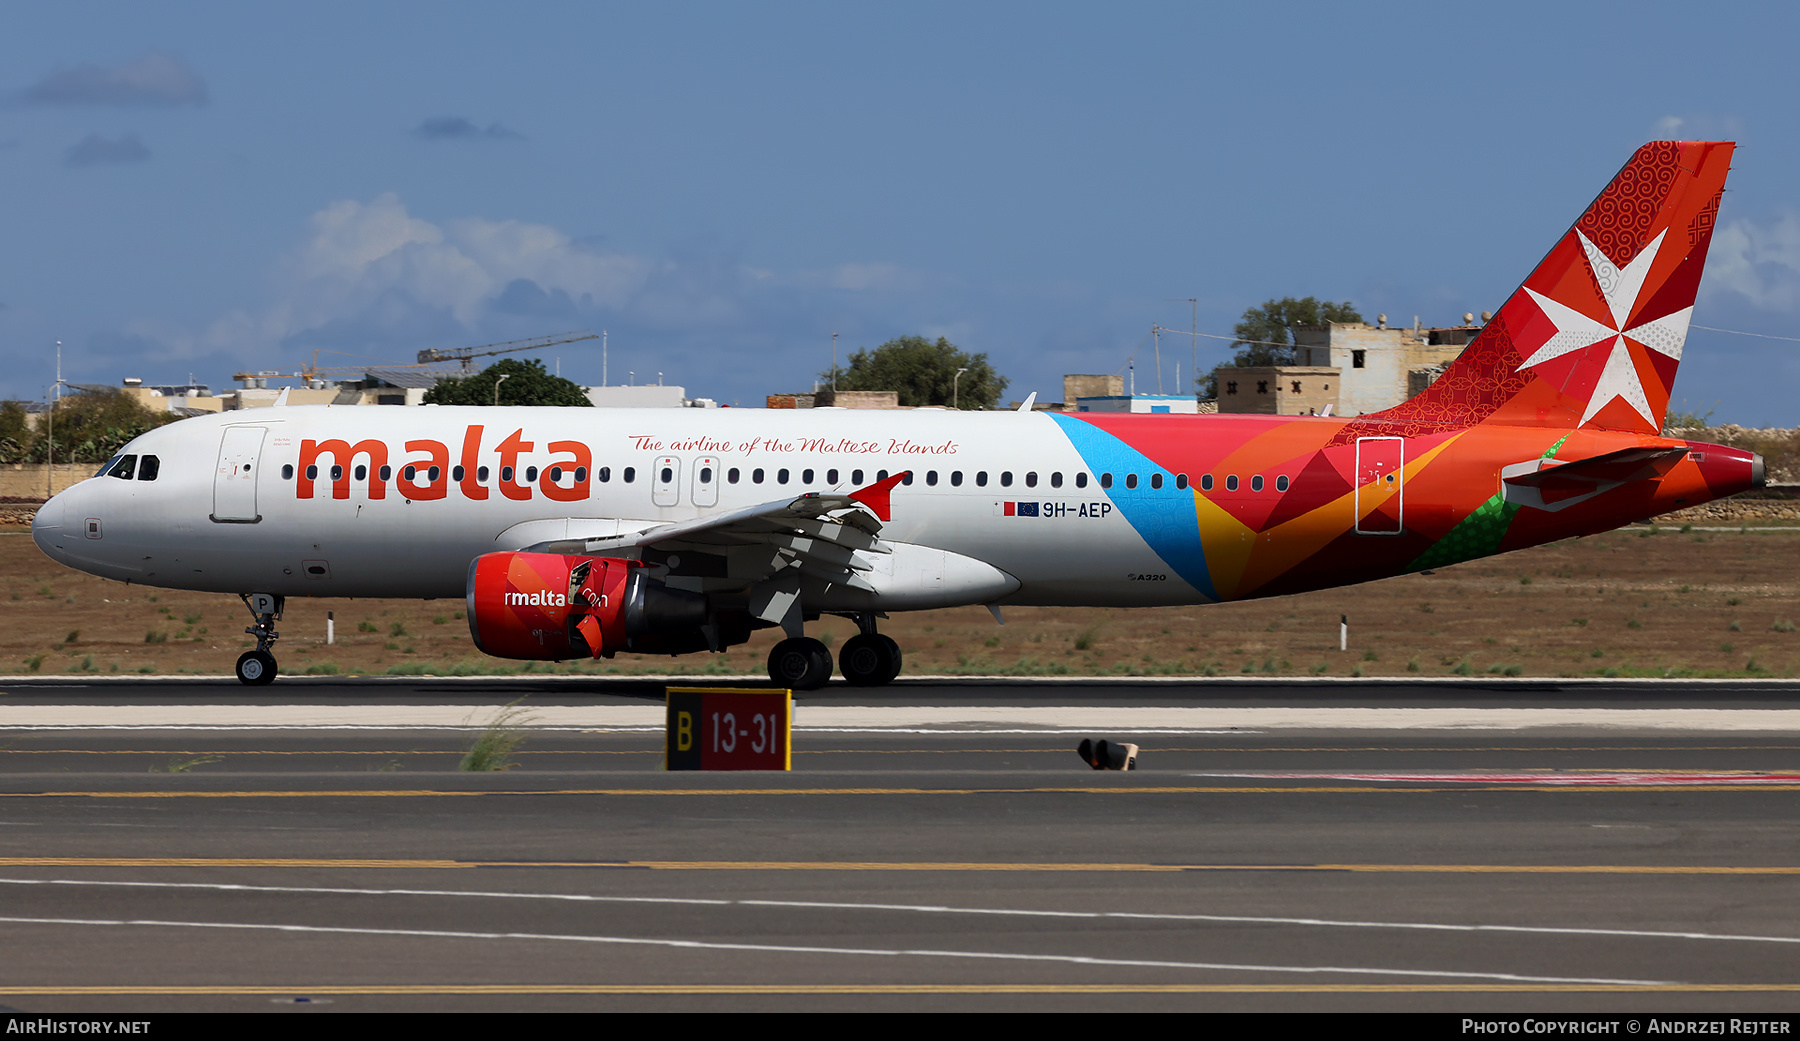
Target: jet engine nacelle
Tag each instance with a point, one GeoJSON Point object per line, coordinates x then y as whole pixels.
{"type": "Point", "coordinates": [551, 607]}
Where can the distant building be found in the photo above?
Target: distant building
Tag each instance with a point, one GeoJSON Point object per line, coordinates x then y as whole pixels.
{"type": "Point", "coordinates": [825, 397]}
{"type": "Point", "coordinates": [648, 396]}
{"type": "Point", "coordinates": [1077, 385]}
{"type": "Point", "coordinates": [1279, 390]}
{"type": "Point", "coordinates": [1353, 367]}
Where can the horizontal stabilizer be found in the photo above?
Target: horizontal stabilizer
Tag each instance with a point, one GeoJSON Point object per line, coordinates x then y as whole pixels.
{"type": "Point", "coordinates": [1551, 485]}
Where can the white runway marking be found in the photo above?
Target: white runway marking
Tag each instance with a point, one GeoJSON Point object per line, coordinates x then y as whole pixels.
{"type": "Point", "coordinates": [1331, 923]}
{"type": "Point", "coordinates": [769, 948]}
{"type": "Point", "coordinates": [1608, 778]}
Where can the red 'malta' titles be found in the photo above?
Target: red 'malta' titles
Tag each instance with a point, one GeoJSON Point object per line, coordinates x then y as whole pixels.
{"type": "Point", "coordinates": [424, 471]}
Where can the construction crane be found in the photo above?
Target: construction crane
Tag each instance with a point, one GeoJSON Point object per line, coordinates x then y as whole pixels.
{"type": "Point", "coordinates": [432, 356]}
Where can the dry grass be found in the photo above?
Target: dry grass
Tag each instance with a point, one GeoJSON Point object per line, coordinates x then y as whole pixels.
{"type": "Point", "coordinates": [1683, 603]}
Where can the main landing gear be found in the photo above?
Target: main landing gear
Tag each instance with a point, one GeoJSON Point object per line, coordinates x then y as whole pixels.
{"type": "Point", "coordinates": [867, 659]}
{"type": "Point", "coordinates": [256, 668]}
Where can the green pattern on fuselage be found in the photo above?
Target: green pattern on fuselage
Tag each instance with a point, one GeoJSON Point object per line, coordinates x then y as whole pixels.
{"type": "Point", "coordinates": [1478, 534]}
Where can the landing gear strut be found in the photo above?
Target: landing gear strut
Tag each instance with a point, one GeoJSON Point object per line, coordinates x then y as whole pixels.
{"type": "Point", "coordinates": [256, 668]}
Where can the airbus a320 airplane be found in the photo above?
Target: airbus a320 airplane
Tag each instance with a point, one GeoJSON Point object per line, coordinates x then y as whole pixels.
{"type": "Point", "coordinates": [579, 533]}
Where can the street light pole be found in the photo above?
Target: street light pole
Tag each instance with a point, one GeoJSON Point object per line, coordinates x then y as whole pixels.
{"type": "Point", "coordinates": [497, 383]}
{"type": "Point", "coordinates": [50, 426]}
{"type": "Point", "coordinates": [955, 400]}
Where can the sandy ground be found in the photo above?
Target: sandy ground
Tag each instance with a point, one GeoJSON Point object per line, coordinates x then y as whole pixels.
{"type": "Point", "coordinates": [1630, 603]}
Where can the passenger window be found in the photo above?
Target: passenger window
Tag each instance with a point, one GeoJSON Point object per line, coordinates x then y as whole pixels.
{"type": "Point", "coordinates": [781, 476]}
{"type": "Point", "coordinates": [1181, 481]}
{"type": "Point", "coordinates": [880, 475]}
{"type": "Point", "coordinates": [556, 475]}
{"type": "Point", "coordinates": [481, 474]}
{"type": "Point", "coordinates": [287, 471]}
{"type": "Point", "coordinates": [1106, 480]}
{"type": "Point", "coordinates": [1081, 480]}
{"type": "Point", "coordinates": [1156, 481]}
{"type": "Point", "coordinates": [856, 477]}
{"type": "Point", "coordinates": [1006, 478]}
{"type": "Point", "coordinates": [1031, 479]}
{"type": "Point", "coordinates": [1231, 482]}
{"type": "Point", "coordinates": [706, 475]}
{"type": "Point", "coordinates": [362, 471]}
{"type": "Point", "coordinates": [604, 473]}
{"type": "Point", "coordinates": [337, 471]}
{"type": "Point", "coordinates": [831, 477]}
{"type": "Point", "coordinates": [506, 473]}
{"type": "Point", "coordinates": [907, 480]}
{"type": "Point", "coordinates": [1206, 482]}
{"type": "Point", "coordinates": [1131, 480]}
{"type": "Point", "coordinates": [312, 473]}
{"type": "Point", "coordinates": [580, 474]}
{"type": "Point", "coordinates": [628, 475]}
{"type": "Point", "coordinates": [456, 474]}
{"type": "Point", "coordinates": [956, 478]}
{"type": "Point", "coordinates": [387, 472]}
{"type": "Point", "coordinates": [731, 475]}
{"type": "Point", "coordinates": [931, 478]}
{"type": "Point", "coordinates": [1056, 479]}
{"type": "Point", "coordinates": [1281, 483]}
{"type": "Point", "coordinates": [756, 476]}
{"type": "Point", "coordinates": [148, 467]}
{"type": "Point", "coordinates": [1256, 483]}
{"type": "Point", "coordinates": [806, 476]}
{"type": "Point", "coordinates": [411, 472]}
{"type": "Point", "coordinates": [981, 478]}
{"type": "Point", "coordinates": [667, 475]}
{"type": "Point", "coordinates": [433, 474]}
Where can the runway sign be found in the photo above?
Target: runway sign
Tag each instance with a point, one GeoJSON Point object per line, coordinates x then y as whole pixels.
{"type": "Point", "coordinates": [728, 728]}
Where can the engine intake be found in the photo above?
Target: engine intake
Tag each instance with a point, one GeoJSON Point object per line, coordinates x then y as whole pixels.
{"type": "Point", "coordinates": [551, 607]}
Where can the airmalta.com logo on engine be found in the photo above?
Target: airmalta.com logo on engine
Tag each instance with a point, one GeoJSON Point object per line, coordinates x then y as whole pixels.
{"type": "Point", "coordinates": [541, 598]}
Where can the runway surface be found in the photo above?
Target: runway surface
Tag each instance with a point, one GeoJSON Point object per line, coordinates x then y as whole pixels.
{"type": "Point", "coordinates": [1535, 846]}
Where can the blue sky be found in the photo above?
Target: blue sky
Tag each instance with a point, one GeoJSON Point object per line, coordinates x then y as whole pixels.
{"type": "Point", "coordinates": [207, 187]}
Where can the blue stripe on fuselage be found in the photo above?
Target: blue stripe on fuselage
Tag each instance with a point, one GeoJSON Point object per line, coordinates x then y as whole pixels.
{"type": "Point", "coordinates": [1165, 519]}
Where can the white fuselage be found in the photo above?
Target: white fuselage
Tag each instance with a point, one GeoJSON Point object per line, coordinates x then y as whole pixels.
{"type": "Point", "coordinates": [250, 501]}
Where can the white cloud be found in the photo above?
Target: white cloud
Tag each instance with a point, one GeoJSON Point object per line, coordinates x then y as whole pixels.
{"type": "Point", "coordinates": [1760, 262]}
{"type": "Point", "coordinates": [372, 278]}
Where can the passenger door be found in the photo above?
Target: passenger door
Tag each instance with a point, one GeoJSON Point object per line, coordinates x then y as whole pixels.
{"type": "Point", "coordinates": [234, 482]}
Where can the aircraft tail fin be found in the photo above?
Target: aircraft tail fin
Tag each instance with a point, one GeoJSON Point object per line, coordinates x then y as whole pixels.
{"type": "Point", "coordinates": [1594, 336]}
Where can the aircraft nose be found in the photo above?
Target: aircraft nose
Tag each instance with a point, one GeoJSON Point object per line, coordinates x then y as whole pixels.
{"type": "Point", "coordinates": [48, 527]}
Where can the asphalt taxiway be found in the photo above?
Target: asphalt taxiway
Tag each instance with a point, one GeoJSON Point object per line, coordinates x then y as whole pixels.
{"type": "Point", "coordinates": [1450, 846]}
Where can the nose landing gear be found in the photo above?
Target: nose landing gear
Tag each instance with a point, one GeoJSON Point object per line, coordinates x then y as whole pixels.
{"type": "Point", "coordinates": [256, 668]}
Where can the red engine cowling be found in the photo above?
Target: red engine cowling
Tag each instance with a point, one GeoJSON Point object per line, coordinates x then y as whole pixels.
{"type": "Point", "coordinates": [551, 607]}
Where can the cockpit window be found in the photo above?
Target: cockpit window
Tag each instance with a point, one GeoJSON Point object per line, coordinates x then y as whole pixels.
{"type": "Point", "coordinates": [106, 467]}
{"type": "Point", "coordinates": [125, 469]}
{"type": "Point", "coordinates": [148, 467]}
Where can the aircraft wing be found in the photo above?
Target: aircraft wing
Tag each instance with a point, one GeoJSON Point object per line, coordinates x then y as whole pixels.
{"type": "Point", "coordinates": [820, 533]}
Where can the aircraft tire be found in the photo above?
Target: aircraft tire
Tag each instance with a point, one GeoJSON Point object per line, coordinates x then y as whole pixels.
{"type": "Point", "coordinates": [894, 658]}
{"type": "Point", "coordinates": [869, 660]}
{"type": "Point", "coordinates": [256, 668]}
{"type": "Point", "coordinates": [801, 663]}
